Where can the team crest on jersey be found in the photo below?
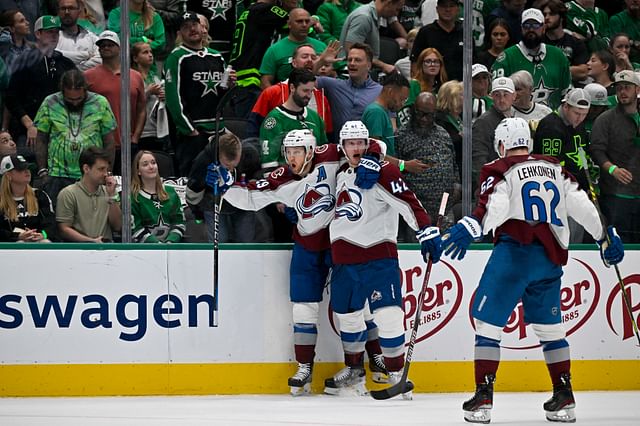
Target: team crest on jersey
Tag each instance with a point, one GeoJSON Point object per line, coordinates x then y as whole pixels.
{"type": "Point", "coordinates": [269, 123]}
{"type": "Point", "coordinates": [218, 8]}
{"type": "Point", "coordinates": [322, 148]}
{"type": "Point", "coordinates": [315, 200]}
{"type": "Point", "coordinates": [348, 204]}
{"type": "Point", "coordinates": [541, 92]}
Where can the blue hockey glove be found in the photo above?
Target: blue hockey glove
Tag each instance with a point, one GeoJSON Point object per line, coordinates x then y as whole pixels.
{"type": "Point", "coordinates": [430, 242]}
{"type": "Point", "coordinates": [613, 253]}
{"type": "Point", "coordinates": [291, 214]}
{"type": "Point", "coordinates": [218, 178]}
{"type": "Point", "coordinates": [456, 240]}
{"type": "Point", "coordinates": [367, 172]}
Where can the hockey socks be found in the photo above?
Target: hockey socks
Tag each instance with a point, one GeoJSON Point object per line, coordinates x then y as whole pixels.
{"type": "Point", "coordinates": [486, 358]}
{"type": "Point", "coordinates": [304, 338]}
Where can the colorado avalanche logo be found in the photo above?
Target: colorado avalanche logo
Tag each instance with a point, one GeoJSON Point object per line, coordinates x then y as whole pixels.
{"type": "Point", "coordinates": [348, 204]}
{"type": "Point", "coordinates": [315, 200]}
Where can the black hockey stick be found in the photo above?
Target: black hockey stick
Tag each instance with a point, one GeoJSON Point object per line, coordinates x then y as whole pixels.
{"type": "Point", "coordinates": [216, 206]}
{"type": "Point", "coordinates": [594, 200]}
{"type": "Point", "coordinates": [403, 386]}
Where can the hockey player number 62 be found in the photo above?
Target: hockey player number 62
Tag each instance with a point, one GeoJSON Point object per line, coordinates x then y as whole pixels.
{"type": "Point", "coordinates": [535, 207]}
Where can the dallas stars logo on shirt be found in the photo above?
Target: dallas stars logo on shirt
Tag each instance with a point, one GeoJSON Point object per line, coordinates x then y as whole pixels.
{"type": "Point", "coordinates": [541, 92]}
{"type": "Point", "coordinates": [218, 8]}
{"type": "Point", "coordinates": [210, 80]}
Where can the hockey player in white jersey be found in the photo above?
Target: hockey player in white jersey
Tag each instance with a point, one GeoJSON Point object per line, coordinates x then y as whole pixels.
{"type": "Point", "coordinates": [308, 183]}
{"type": "Point", "coordinates": [365, 257]}
{"type": "Point", "coordinates": [525, 199]}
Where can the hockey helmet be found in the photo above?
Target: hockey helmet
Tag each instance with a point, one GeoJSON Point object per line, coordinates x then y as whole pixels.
{"type": "Point", "coordinates": [354, 130]}
{"type": "Point", "coordinates": [512, 133]}
{"type": "Point", "coordinates": [300, 138]}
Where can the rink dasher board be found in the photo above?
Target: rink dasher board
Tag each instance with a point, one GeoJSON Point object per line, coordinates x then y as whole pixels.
{"type": "Point", "coordinates": [136, 321]}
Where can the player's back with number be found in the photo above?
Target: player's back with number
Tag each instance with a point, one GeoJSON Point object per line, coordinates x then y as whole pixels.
{"type": "Point", "coordinates": [530, 197]}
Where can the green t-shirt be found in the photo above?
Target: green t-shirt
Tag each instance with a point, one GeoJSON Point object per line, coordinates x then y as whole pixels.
{"type": "Point", "coordinates": [71, 133]}
{"type": "Point", "coordinates": [154, 35]}
{"type": "Point", "coordinates": [377, 120]}
{"type": "Point", "coordinates": [278, 123]}
{"type": "Point", "coordinates": [277, 59]}
{"type": "Point", "coordinates": [624, 23]}
{"type": "Point", "coordinates": [593, 24]}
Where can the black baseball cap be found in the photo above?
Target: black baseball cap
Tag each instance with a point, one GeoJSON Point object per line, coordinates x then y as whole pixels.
{"type": "Point", "coordinates": [11, 162]}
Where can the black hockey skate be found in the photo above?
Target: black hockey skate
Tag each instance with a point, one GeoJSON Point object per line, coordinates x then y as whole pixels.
{"type": "Point", "coordinates": [300, 383]}
{"type": "Point", "coordinates": [348, 381]}
{"type": "Point", "coordinates": [560, 407]}
{"type": "Point", "coordinates": [478, 408]}
{"type": "Point", "coordinates": [379, 373]}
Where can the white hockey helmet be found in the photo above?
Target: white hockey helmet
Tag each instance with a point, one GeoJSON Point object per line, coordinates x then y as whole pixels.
{"type": "Point", "coordinates": [300, 138]}
{"type": "Point", "coordinates": [354, 130]}
{"type": "Point", "coordinates": [512, 133]}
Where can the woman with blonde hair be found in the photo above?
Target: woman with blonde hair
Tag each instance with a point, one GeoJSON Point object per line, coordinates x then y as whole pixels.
{"type": "Point", "coordinates": [428, 73]}
{"type": "Point", "coordinates": [26, 214]}
{"type": "Point", "coordinates": [449, 114]}
{"type": "Point", "coordinates": [145, 25]}
{"type": "Point", "coordinates": [156, 209]}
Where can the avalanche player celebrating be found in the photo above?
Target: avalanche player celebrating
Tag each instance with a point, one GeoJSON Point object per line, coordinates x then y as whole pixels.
{"type": "Point", "coordinates": [526, 200]}
{"type": "Point", "coordinates": [365, 257]}
{"type": "Point", "coordinates": [308, 183]}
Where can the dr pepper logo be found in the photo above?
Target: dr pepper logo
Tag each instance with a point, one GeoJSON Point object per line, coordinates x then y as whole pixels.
{"type": "Point", "coordinates": [441, 301]}
{"type": "Point", "coordinates": [578, 300]}
{"type": "Point", "coordinates": [618, 317]}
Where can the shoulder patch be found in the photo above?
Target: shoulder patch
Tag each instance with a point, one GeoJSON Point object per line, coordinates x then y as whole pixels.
{"type": "Point", "coordinates": [501, 57]}
{"type": "Point", "coordinates": [322, 148]}
{"type": "Point", "coordinates": [278, 172]}
{"type": "Point", "coordinates": [270, 123]}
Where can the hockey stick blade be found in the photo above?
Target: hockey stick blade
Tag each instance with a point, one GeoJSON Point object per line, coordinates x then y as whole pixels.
{"type": "Point", "coordinates": [390, 392]}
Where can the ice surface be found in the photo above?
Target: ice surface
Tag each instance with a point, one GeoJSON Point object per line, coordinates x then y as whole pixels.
{"type": "Point", "coordinates": [522, 409]}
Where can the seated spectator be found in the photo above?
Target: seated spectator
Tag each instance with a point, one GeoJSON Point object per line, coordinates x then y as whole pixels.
{"type": "Point", "coordinates": [36, 76]}
{"type": "Point", "coordinates": [155, 134]}
{"type": "Point", "coordinates": [480, 78]}
{"type": "Point", "coordinates": [599, 104]}
{"type": "Point", "coordinates": [7, 145]}
{"type": "Point", "coordinates": [523, 105]}
{"type": "Point", "coordinates": [26, 213]}
{"type": "Point", "coordinates": [403, 65]}
{"type": "Point", "coordinates": [69, 122]}
{"type": "Point", "coordinates": [449, 115]}
{"type": "Point", "coordinates": [276, 63]}
{"type": "Point", "coordinates": [291, 115]}
{"type": "Point", "coordinates": [13, 37]}
{"type": "Point", "coordinates": [510, 11]}
{"type": "Point", "coordinates": [89, 210]}
{"type": "Point", "coordinates": [421, 138]}
{"type": "Point", "coordinates": [602, 67]}
{"type": "Point", "coordinates": [145, 25]}
{"type": "Point", "coordinates": [620, 46]}
{"type": "Point", "coordinates": [497, 38]}
{"type": "Point", "coordinates": [395, 91]}
{"type": "Point", "coordinates": [429, 74]}
{"type": "Point", "coordinates": [75, 42]}
{"type": "Point", "coordinates": [156, 209]}
{"type": "Point", "coordinates": [303, 57]}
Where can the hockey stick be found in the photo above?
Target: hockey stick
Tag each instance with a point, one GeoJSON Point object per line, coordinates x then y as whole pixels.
{"type": "Point", "coordinates": [216, 206]}
{"type": "Point", "coordinates": [594, 200]}
{"type": "Point", "coordinates": [403, 386]}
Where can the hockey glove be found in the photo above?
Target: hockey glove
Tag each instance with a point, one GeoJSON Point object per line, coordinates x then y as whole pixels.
{"type": "Point", "coordinates": [456, 240]}
{"type": "Point", "coordinates": [218, 178]}
{"type": "Point", "coordinates": [430, 243]}
{"type": "Point", "coordinates": [291, 214]}
{"type": "Point", "coordinates": [367, 172]}
{"type": "Point", "coordinates": [612, 253]}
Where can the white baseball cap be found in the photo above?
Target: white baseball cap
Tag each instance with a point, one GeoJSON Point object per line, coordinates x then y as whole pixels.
{"type": "Point", "coordinates": [478, 69]}
{"type": "Point", "coordinates": [598, 94]}
{"type": "Point", "coordinates": [578, 98]}
{"type": "Point", "coordinates": [108, 35]}
{"type": "Point", "coordinates": [503, 83]}
{"type": "Point", "coordinates": [532, 14]}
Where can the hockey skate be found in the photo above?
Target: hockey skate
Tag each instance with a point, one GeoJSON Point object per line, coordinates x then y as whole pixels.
{"type": "Point", "coordinates": [478, 408]}
{"type": "Point", "coordinates": [395, 377]}
{"type": "Point", "coordinates": [560, 407]}
{"type": "Point", "coordinates": [300, 383]}
{"type": "Point", "coordinates": [379, 373]}
{"type": "Point", "coordinates": [346, 382]}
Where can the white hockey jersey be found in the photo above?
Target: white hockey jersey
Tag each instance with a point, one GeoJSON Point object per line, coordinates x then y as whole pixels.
{"type": "Point", "coordinates": [365, 226]}
{"type": "Point", "coordinates": [530, 197]}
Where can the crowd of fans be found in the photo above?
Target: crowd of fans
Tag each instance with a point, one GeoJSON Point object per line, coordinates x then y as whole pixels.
{"type": "Point", "coordinates": [250, 71]}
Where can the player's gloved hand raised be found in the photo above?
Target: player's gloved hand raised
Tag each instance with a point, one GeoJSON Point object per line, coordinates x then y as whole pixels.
{"type": "Point", "coordinates": [456, 240]}
{"type": "Point", "coordinates": [291, 214]}
{"type": "Point", "coordinates": [218, 178]}
{"type": "Point", "coordinates": [611, 253]}
{"type": "Point", "coordinates": [430, 242]}
{"type": "Point", "coordinates": [367, 172]}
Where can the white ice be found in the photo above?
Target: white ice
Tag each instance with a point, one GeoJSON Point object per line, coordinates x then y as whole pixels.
{"type": "Point", "coordinates": [522, 409]}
